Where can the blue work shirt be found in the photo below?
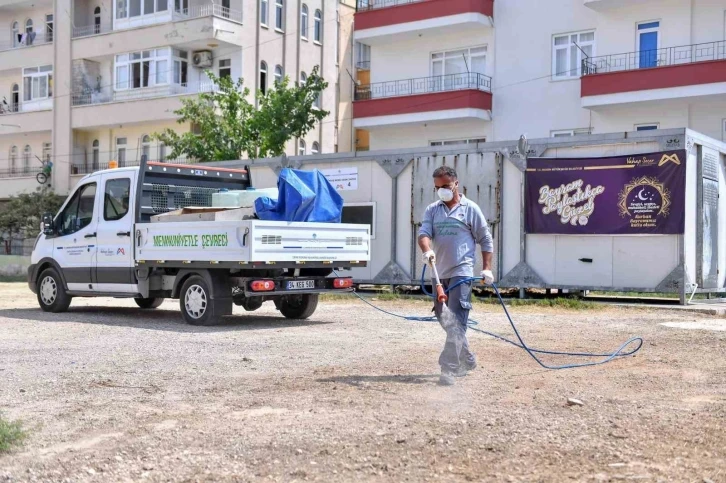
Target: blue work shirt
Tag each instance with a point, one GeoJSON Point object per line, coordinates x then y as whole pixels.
{"type": "Point", "coordinates": [455, 234]}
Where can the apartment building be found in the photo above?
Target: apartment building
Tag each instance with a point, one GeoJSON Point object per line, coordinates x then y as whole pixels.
{"type": "Point", "coordinates": [433, 72]}
{"type": "Point", "coordinates": [84, 82]}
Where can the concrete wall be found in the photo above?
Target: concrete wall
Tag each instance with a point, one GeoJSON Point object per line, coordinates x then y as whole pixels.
{"type": "Point", "coordinates": [14, 266]}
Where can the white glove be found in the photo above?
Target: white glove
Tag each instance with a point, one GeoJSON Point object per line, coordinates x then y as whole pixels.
{"type": "Point", "coordinates": [429, 257]}
{"type": "Point", "coordinates": [487, 277]}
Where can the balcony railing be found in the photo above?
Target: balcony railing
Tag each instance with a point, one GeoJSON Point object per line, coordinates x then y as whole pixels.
{"type": "Point", "coordinates": [364, 5]}
{"type": "Point", "coordinates": [686, 54]}
{"type": "Point", "coordinates": [208, 10]}
{"type": "Point", "coordinates": [104, 96]}
{"type": "Point", "coordinates": [20, 172]}
{"type": "Point", "coordinates": [177, 15]}
{"type": "Point", "coordinates": [27, 40]}
{"type": "Point", "coordinates": [89, 30]}
{"type": "Point", "coordinates": [26, 106]}
{"type": "Point", "coordinates": [424, 85]}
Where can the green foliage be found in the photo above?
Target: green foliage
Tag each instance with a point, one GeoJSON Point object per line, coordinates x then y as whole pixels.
{"type": "Point", "coordinates": [22, 214]}
{"type": "Point", "coordinates": [228, 126]}
{"type": "Point", "coordinates": [11, 434]}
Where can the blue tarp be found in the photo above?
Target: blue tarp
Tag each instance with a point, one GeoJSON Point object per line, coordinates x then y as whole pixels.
{"type": "Point", "coordinates": [304, 196]}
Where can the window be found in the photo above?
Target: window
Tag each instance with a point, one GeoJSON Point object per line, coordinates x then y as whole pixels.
{"type": "Point", "coordinates": [49, 28]}
{"type": "Point", "coordinates": [162, 152]}
{"type": "Point", "coordinates": [263, 77]}
{"type": "Point", "coordinates": [15, 98]}
{"type": "Point", "coordinates": [225, 68]}
{"type": "Point", "coordinates": [15, 34]}
{"type": "Point", "coordinates": [137, 70]}
{"type": "Point", "coordinates": [116, 199]}
{"type": "Point", "coordinates": [452, 68]}
{"type": "Point", "coordinates": [47, 151]}
{"type": "Point", "coordinates": [360, 213]}
{"type": "Point", "coordinates": [264, 15]}
{"type": "Point", "coordinates": [121, 9]}
{"type": "Point", "coordinates": [28, 26]}
{"type": "Point", "coordinates": [303, 78]}
{"type": "Point", "coordinates": [26, 159]}
{"type": "Point", "coordinates": [97, 20]}
{"type": "Point", "coordinates": [304, 22]}
{"type": "Point", "coordinates": [181, 67]}
{"type": "Point", "coordinates": [78, 213]}
{"type": "Point", "coordinates": [301, 148]}
{"type": "Point", "coordinates": [95, 160]}
{"type": "Point", "coordinates": [362, 56]}
{"type": "Point", "coordinates": [646, 127]}
{"type": "Point", "coordinates": [452, 142]}
{"type": "Point", "coordinates": [318, 28]}
{"type": "Point", "coordinates": [648, 44]}
{"type": "Point", "coordinates": [145, 147]}
{"type": "Point", "coordinates": [316, 148]}
{"type": "Point", "coordinates": [278, 74]}
{"type": "Point", "coordinates": [279, 23]}
{"type": "Point", "coordinates": [569, 51]}
{"type": "Point", "coordinates": [13, 159]}
{"type": "Point", "coordinates": [563, 133]}
{"type": "Point", "coordinates": [37, 83]}
{"type": "Point", "coordinates": [121, 151]}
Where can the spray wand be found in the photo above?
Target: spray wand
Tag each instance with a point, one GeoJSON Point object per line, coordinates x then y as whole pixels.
{"type": "Point", "coordinates": [440, 292]}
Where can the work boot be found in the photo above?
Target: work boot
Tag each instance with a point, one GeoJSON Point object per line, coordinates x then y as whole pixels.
{"type": "Point", "coordinates": [462, 371]}
{"type": "Point", "coordinates": [446, 379]}
{"type": "Point", "coordinates": [470, 366]}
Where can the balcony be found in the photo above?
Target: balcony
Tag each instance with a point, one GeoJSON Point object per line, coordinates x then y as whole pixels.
{"type": "Point", "coordinates": [191, 26]}
{"type": "Point", "coordinates": [111, 108]}
{"type": "Point", "coordinates": [28, 53]}
{"type": "Point", "coordinates": [426, 99]}
{"type": "Point", "coordinates": [687, 71]}
{"type": "Point", "coordinates": [26, 117]}
{"type": "Point", "coordinates": [383, 21]}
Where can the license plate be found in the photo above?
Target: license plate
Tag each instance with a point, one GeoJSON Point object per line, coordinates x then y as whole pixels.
{"type": "Point", "coordinates": [300, 284]}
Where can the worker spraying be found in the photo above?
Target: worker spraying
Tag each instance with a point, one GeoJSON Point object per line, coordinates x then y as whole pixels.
{"type": "Point", "coordinates": [454, 225]}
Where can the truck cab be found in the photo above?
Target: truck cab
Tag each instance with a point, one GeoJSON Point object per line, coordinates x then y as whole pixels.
{"type": "Point", "coordinates": [103, 242]}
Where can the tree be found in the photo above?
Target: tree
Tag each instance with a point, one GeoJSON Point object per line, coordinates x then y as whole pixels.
{"type": "Point", "coordinates": [229, 126]}
{"type": "Point", "coordinates": [22, 214]}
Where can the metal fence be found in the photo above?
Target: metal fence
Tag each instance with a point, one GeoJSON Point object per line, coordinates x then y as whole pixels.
{"type": "Point", "coordinates": [684, 54]}
{"type": "Point", "coordinates": [424, 85]}
{"type": "Point", "coordinates": [375, 4]}
{"type": "Point", "coordinates": [20, 172]}
{"type": "Point", "coordinates": [23, 247]}
{"type": "Point", "coordinates": [105, 96]}
{"type": "Point", "coordinates": [178, 15]}
{"type": "Point", "coordinates": [23, 39]}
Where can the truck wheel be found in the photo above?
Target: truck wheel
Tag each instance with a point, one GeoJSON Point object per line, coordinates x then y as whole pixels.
{"type": "Point", "coordinates": [298, 306]}
{"type": "Point", "coordinates": [52, 297]}
{"type": "Point", "coordinates": [195, 302]}
{"type": "Point", "coordinates": [148, 303]}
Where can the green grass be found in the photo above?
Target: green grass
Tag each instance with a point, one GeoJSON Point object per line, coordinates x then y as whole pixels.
{"type": "Point", "coordinates": [570, 303]}
{"type": "Point", "coordinates": [13, 278]}
{"type": "Point", "coordinates": [11, 434]}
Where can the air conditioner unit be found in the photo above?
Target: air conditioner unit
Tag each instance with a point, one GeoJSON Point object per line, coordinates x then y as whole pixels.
{"type": "Point", "coordinates": [203, 58]}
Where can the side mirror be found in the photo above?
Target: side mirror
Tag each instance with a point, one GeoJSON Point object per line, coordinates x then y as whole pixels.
{"type": "Point", "coordinates": [48, 223]}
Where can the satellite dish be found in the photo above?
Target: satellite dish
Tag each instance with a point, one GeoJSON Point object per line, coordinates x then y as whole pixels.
{"type": "Point", "coordinates": [523, 145]}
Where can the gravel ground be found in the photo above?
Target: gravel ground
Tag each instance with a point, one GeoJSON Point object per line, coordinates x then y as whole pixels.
{"type": "Point", "coordinates": [109, 392]}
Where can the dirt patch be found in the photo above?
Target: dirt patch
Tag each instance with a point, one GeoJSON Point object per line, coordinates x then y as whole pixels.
{"type": "Point", "coordinates": [109, 392]}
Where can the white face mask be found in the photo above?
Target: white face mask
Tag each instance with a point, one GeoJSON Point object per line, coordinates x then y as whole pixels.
{"type": "Point", "coordinates": [445, 194]}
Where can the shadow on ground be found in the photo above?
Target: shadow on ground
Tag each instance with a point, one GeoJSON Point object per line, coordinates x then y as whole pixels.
{"type": "Point", "coordinates": [158, 319]}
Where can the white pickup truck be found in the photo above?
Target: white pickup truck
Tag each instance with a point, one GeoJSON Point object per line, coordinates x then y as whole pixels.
{"type": "Point", "coordinates": [102, 243]}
